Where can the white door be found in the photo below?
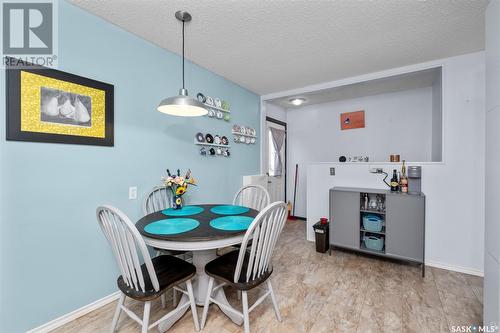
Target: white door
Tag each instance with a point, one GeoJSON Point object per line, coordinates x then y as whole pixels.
{"type": "Point", "coordinates": [276, 173]}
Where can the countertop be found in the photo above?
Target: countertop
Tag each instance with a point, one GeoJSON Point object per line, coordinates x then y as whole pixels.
{"type": "Point", "coordinates": [373, 190]}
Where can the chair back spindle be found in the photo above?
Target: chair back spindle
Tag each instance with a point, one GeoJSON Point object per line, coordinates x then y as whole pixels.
{"type": "Point", "coordinates": [159, 198]}
{"type": "Point", "coordinates": [253, 196]}
{"type": "Point", "coordinates": [126, 243]}
{"type": "Point", "coordinates": [263, 232]}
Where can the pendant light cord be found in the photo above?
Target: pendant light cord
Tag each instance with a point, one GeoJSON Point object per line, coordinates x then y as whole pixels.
{"type": "Point", "coordinates": [183, 87]}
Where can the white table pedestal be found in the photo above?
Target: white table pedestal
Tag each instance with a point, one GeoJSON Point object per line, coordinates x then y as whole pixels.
{"type": "Point", "coordinates": [200, 285]}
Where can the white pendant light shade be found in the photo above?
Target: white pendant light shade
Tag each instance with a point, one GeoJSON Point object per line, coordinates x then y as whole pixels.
{"type": "Point", "coordinates": [182, 105]}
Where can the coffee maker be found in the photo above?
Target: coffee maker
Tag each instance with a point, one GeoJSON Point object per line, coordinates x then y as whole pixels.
{"type": "Point", "coordinates": [414, 179]}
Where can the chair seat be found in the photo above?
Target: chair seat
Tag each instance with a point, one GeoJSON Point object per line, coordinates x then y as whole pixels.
{"type": "Point", "coordinates": [223, 267]}
{"type": "Point", "coordinates": [170, 272]}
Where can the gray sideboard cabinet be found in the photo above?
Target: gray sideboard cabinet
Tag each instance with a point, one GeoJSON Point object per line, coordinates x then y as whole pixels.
{"type": "Point", "coordinates": [402, 217]}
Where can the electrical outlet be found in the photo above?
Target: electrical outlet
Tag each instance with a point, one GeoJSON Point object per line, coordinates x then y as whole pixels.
{"type": "Point", "coordinates": [332, 171]}
{"type": "Point", "coordinates": [376, 170]}
{"type": "Point", "coordinates": [132, 192]}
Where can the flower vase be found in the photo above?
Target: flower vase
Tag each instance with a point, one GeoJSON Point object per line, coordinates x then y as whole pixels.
{"type": "Point", "coordinates": [177, 202]}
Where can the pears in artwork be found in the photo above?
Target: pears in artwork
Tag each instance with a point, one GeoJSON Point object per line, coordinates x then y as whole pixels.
{"type": "Point", "coordinates": [61, 107]}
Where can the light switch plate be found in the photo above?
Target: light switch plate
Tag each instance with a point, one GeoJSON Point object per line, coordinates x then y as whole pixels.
{"type": "Point", "coordinates": [132, 192]}
{"type": "Point", "coordinates": [332, 171]}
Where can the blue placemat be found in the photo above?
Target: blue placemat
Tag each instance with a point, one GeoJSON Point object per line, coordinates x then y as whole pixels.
{"type": "Point", "coordinates": [184, 211]}
{"type": "Point", "coordinates": [171, 226]}
{"type": "Point", "coordinates": [231, 223]}
{"type": "Point", "coordinates": [229, 210]}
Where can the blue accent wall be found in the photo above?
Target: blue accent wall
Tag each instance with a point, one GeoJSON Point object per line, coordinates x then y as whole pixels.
{"type": "Point", "coordinates": [54, 258]}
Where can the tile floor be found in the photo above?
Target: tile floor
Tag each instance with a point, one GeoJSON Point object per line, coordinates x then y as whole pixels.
{"type": "Point", "coordinates": [344, 292]}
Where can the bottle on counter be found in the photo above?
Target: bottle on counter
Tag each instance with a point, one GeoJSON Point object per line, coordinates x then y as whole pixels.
{"type": "Point", "coordinates": [399, 181]}
{"type": "Point", "coordinates": [404, 179]}
{"type": "Point", "coordinates": [394, 181]}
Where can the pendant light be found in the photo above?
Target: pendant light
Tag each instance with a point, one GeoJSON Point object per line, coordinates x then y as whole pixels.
{"type": "Point", "coordinates": [182, 105]}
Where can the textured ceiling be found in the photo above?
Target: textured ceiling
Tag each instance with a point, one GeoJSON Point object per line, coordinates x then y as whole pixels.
{"type": "Point", "coordinates": [269, 46]}
{"type": "Point", "coordinates": [402, 82]}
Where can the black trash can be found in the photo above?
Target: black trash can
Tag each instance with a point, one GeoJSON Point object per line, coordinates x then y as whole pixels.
{"type": "Point", "coordinates": [322, 231]}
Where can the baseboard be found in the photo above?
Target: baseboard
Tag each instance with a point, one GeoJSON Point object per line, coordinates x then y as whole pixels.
{"type": "Point", "coordinates": [459, 269]}
{"type": "Point", "coordinates": [299, 218]}
{"type": "Point", "coordinates": [58, 322]}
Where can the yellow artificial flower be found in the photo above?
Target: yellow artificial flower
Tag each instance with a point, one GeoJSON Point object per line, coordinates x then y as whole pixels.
{"type": "Point", "coordinates": [178, 201]}
{"type": "Point", "coordinates": [180, 190]}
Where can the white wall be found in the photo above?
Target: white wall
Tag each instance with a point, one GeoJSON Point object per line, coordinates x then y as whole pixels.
{"type": "Point", "coordinates": [492, 244]}
{"type": "Point", "coordinates": [437, 121]}
{"type": "Point", "coordinates": [454, 188]}
{"type": "Point", "coordinates": [396, 123]}
{"type": "Point", "coordinates": [275, 112]}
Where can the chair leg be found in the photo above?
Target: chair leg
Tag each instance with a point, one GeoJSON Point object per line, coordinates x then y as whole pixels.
{"type": "Point", "coordinates": [174, 297]}
{"type": "Point", "coordinates": [163, 299]}
{"type": "Point", "coordinates": [145, 318]}
{"type": "Point", "coordinates": [238, 295]}
{"type": "Point", "coordinates": [246, 319]}
{"type": "Point", "coordinates": [275, 304]}
{"type": "Point", "coordinates": [207, 302]}
{"type": "Point", "coordinates": [117, 312]}
{"type": "Point", "coordinates": [193, 305]}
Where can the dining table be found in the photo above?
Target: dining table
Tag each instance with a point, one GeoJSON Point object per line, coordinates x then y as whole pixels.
{"type": "Point", "coordinates": [201, 229]}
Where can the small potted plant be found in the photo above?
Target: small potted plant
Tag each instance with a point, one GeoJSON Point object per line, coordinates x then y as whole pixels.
{"type": "Point", "coordinates": [178, 185]}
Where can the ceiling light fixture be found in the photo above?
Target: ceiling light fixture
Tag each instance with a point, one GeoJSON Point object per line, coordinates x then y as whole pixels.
{"type": "Point", "coordinates": [297, 101]}
{"type": "Point", "coordinates": [182, 105]}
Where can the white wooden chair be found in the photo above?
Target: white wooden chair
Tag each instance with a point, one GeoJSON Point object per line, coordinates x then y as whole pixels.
{"type": "Point", "coordinates": [247, 269]}
{"type": "Point", "coordinates": [144, 282]}
{"type": "Point", "coordinates": [160, 198]}
{"type": "Point", "coordinates": [253, 196]}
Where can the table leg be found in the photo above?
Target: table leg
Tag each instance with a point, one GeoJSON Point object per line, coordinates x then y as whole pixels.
{"type": "Point", "coordinates": [167, 323]}
{"type": "Point", "coordinates": [200, 285]}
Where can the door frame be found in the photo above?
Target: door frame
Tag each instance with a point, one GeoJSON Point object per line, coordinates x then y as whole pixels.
{"type": "Point", "coordinates": [282, 123]}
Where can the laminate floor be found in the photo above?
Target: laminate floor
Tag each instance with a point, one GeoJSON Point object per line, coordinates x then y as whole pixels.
{"type": "Point", "coordinates": [345, 292]}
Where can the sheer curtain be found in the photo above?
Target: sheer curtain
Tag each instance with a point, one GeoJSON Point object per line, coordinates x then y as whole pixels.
{"type": "Point", "coordinates": [277, 138]}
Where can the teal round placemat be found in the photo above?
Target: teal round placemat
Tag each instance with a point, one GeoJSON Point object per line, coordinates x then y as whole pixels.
{"type": "Point", "coordinates": [232, 223]}
{"type": "Point", "coordinates": [184, 211]}
{"type": "Point", "coordinates": [229, 210]}
{"type": "Point", "coordinates": [171, 226]}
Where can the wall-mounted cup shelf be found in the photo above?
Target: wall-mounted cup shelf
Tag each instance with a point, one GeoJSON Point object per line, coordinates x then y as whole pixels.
{"type": "Point", "coordinates": [211, 144]}
{"type": "Point", "coordinates": [242, 134]}
{"type": "Point", "coordinates": [213, 107]}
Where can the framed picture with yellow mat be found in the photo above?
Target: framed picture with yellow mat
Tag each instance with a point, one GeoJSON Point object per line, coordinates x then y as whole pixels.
{"type": "Point", "coordinates": [48, 105]}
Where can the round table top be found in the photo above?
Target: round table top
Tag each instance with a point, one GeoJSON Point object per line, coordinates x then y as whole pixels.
{"type": "Point", "coordinates": [204, 232]}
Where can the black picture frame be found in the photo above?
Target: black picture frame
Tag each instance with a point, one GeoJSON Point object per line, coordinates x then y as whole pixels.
{"type": "Point", "coordinates": [13, 107]}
